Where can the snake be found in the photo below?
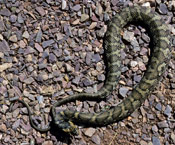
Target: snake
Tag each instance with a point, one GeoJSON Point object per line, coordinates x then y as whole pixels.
{"type": "Point", "coordinates": [160, 56]}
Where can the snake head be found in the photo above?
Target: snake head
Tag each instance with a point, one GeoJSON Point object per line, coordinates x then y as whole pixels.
{"type": "Point", "coordinates": [68, 127]}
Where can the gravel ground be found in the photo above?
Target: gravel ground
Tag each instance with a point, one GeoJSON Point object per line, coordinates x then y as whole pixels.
{"type": "Point", "coordinates": [52, 49]}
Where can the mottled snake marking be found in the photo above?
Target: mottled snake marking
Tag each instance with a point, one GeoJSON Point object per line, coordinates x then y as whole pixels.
{"type": "Point", "coordinates": [160, 56]}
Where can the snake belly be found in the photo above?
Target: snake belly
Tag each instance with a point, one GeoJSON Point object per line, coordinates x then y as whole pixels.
{"type": "Point", "coordinates": [160, 56]}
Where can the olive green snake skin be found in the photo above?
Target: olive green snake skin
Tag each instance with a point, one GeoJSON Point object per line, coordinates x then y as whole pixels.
{"type": "Point", "coordinates": [160, 56]}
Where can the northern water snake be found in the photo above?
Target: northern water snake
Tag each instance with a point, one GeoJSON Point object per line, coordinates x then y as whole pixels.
{"type": "Point", "coordinates": [160, 56]}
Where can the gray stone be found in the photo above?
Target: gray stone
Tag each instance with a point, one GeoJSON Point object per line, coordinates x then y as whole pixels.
{"type": "Point", "coordinates": [96, 139]}
{"type": "Point", "coordinates": [4, 47]}
{"type": "Point", "coordinates": [163, 9]}
{"type": "Point", "coordinates": [159, 106]}
{"type": "Point", "coordinates": [123, 91]}
{"type": "Point", "coordinates": [26, 34]}
{"type": "Point", "coordinates": [168, 110]}
{"type": "Point", "coordinates": [16, 124]}
{"type": "Point", "coordinates": [20, 19]}
{"type": "Point", "coordinates": [5, 12]}
{"type": "Point", "coordinates": [155, 140]}
{"type": "Point", "coordinates": [52, 58]}
{"type": "Point", "coordinates": [40, 99]}
{"type": "Point", "coordinates": [47, 43]}
{"type": "Point", "coordinates": [41, 11]}
{"type": "Point", "coordinates": [76, 7]}
{"type": "Point", "coordinates": [13, 18]}
{"type": "Point", "coordinates": [39, 36]}
{"type": "Point", "coordinates": [154, 128]}
{"type": "Point", "coordinates": [162, 124]}
{"type": "Point", "coordinates": [145, 37]}
{"type": "Point", "coordinates": [29, 80]}
{"type": "Point", "coordinates": [89, 132]}
{"type": "Point", "coordinates": [88, 58]}
{"type": "Point", "coordinates": [96, 58]}
{"type": "Point", "coordinates": [13, 38]}
{"type": "Point", "coordinates": [2, 26]}
{"type": "Point", "coordinates": [101, 77]}
{"type": "Point", "coordinates": [76, 80]}
{"type": "Point", "coordinates": [128, 36]}
{"type": "Point", "coordinates": [69, 68]}
{"type": "Point", "coordinates": [133, 63]}
{"type": "Point", "coordinates": [38, 47]}
{"type": "Point", "coordinates": [63, 4]}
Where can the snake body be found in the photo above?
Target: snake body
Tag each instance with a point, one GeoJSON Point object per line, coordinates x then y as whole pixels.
{"type": "Point", "coordinates": [161, 52]}
{"type": "Point", "coordinates": [160, 56]}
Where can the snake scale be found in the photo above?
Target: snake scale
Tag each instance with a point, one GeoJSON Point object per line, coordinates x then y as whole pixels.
{"type": "Point", "coordinates": [160, 56]}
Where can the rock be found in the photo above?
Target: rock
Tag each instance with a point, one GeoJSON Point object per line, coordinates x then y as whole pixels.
{"type": "Point", "coordinates": [29, 80]}
{"type": "Point", "coordinates": [22, 44]}
{"type": "Point", "coordinates": [59, 36]}
{"type": "Point", "coordinates": [106, 17]}
{"type": "Point", "coordinates": [47, 43]}
{"type": "Point", "coordinates": [40, 99]}
{"type": "Point", "coordinates": [114, 2]}
{"type": "Point", "coordinates": [5, 66]}
{"type": "Point", "coordinates": [89, 132]}
{"type": "Point", "coordinates": [20, 19]}
{"type": "Point", "coordinates": [52, 58]}
{"type": "Point", "coordinates": [1, 55]}
{"type": "Point", "coordinates": [135, 44]}
{"type": "Point", "coordinates": [142, 142]}
{"type": "Point", "coordinates": [13, 18]}
{"type": "Point", "coordinates": [2, 26]}
{"type": "Point", "coordinates": [69, 68]}
{"type": "Point", "coordinates": [128, 36]}
{"type": "Point", "coordinates": [145, 37]}
{"type": "Point", "coordinates": [41, 11]}
{"type": "Point", "coordinates": [96, 58]}
{"type": "Point", "coordinates": [163, 9]}
{"type": "Point", "coordinates": [75, 22]}
{"type": "Point", "coordinates": [84, 17]}
{"type": "Point", "coordinates": [159, 106]}
{"type": "Point", "coordinates": [16, 124]}
{"type": "Point", "coordinates": [99, 9]}
{"type": "Point", "coordinates": [101, 32]}
{"type": "Point", "coordinates": [39, 37]}
{"type": "Point", "coordinates": [88, 58]}
{"type": "Point", "coordinates": [76, 80]}
{"type": "Point", "coordinates": [93, 25]}
{"type": "Point", "coordinates": [155, 140]}
{"type": "Point", "coordinates": [162, 124]}
{"type": "Point", "coordinates": [168, 110]}
{"type": "Point", "coordinates": [96, 139]}
{"type": "Point", "coordinates": [133, 63]}
{"type": "Point", "coordinates": [3, 127]}
{"type": "Point", "coordinates": [137, 78]}
{"type": "Point", "coordinates": [87, 82]}
{"type": "Point", "coordinates": [47, 143]}
{"type": "Point", "coordinates": [4, 47]}
{"type": "Point", "coordinates": [123, 91]}
{"type": "Point", "coordinates": [38, 47]}
{"type": "Point", "coordinates": [13, 38]}
{"type": "Point", "coordinates": [5, 12]}
{"type": "Point", "coordinates": [101, 77]}
{"type": "Point", "coordinates": [76, 8]}
{"type": "Point", "coordinates": [16, 113]}
{"type": "Point", "coordinates": [26, 35]}
{"type": "Point", "coordinates": [154, 128]}
{"type": "Point", "coordinates": [63, 4]}
{"type": "Point", "coordinates": [173, 137]}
